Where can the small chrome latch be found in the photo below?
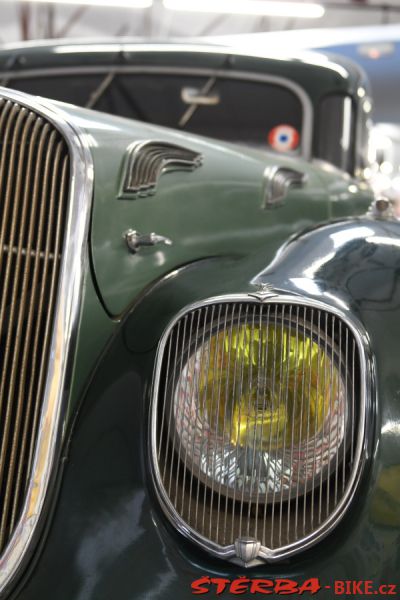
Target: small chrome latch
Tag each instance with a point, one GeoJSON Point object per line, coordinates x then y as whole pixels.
{"type": "Point", "coordinates": [135, 240]}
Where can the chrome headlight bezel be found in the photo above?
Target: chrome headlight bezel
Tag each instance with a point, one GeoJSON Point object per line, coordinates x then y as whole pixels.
{"type": "Point", "coordinates": [360, 440]}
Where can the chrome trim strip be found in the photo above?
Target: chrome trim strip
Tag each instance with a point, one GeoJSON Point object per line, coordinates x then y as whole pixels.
{"type": "Point", "coordinates": [308, 112]}
{"type": "Point", "coordinates": [367, 377]}
{"type": "Point", "coordinates": [73, 268]}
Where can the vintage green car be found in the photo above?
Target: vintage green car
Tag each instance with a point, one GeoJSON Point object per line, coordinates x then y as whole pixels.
{"type": "Point", "coordinates": [199, 339]}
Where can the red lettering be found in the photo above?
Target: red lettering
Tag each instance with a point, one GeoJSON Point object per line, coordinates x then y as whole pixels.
{"type": "Point", "coordinates": [368, 589]}
{"type": "Point", "coordinates": [357, 587]}
{"type": "Point", "coordinates": [198, 585]}
{"type": "Point", "coordinates": [239, 586]}
{"type": "Point", "coordinates": [220, 583]}
{"type": "Point", "coordinates": [388, 590]}
{"type": "Point", "coordinates": [339, 588]}
{"type": "Point", "coordinates": [286, 586]}
{"type": "Point", "coordinates": [261, 586]}
{"type": "Point", "coordinates": [310, 585]}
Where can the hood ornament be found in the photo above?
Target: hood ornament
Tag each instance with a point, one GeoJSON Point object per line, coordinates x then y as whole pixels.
{"type": "Point", "coordinates": [265, 291]}
{"type": "Point", "coordinates": [247, 550]}
{"type": "Point", "coordinates": [146, 161]}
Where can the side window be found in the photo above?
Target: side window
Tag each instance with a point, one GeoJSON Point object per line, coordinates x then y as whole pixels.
{"type": "Point", "coordinates": [334, 132]}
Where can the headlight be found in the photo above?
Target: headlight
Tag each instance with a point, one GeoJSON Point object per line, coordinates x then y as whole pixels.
{"type": "Point", "coordinates": [259, 406]}
{"type": "Point", "coordinates": [258, 424]}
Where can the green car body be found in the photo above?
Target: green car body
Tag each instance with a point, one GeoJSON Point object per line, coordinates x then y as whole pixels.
{"type": "Point", "coordinates": [100, 532]}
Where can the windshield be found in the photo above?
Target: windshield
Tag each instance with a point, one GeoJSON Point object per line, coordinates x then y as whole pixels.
{"type": "Point", "coordinates": [260, 114]}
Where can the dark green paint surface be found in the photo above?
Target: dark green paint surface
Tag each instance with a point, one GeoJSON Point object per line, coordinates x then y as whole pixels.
{"type": "Point", "coordinates": [215, 210]}
{"type": "Point", "coordinates": [108, 539]}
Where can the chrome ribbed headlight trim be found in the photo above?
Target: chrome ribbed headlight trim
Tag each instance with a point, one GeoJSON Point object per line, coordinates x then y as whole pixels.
{"type": "Point", "coordinates": [62, 348]}
{"type": "Point", "coordinates": [364, 427]}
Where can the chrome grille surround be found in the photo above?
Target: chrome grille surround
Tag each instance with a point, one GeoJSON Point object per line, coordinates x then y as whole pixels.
{"type": "Point", "coordinates": [248, 550]}
{"type": "Point", "coordinates": [73, 265]}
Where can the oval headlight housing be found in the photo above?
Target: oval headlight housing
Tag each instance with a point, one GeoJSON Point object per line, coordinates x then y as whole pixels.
{"type": "Point", "coordinates": [258, 426]}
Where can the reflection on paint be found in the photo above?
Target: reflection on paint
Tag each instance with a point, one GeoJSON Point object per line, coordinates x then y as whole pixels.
{"type": "Point", "coordinates": [385, 508]}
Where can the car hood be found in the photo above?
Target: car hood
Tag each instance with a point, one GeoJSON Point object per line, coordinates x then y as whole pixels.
{"type": "Point", "coordinates": [215, 210]}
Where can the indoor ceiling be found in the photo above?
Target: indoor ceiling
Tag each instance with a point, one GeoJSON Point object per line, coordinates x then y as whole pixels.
{"type": "Point", "coordinates": [171, 18]}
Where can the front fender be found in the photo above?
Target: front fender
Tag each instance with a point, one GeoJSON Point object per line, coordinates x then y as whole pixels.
{"type": "Point", "coordinates": [109, 537]}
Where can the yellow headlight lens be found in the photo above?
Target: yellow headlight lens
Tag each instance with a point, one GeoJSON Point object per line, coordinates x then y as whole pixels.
{"type": "Point", "coordinates": [284, 382]}
{"type": "Point", "coordinates": [264, 405]}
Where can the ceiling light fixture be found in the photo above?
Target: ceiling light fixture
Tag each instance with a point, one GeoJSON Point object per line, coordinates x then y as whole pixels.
{"type": "Point", "coordinates": [307, 10]}
{"type": "Point", "coordinates": [100, 3]}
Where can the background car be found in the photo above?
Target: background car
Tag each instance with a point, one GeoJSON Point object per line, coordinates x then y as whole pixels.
{"type": "Point", "coordinates": [376, 50]}
{"type": "Point", "coordinates": [312, 105]}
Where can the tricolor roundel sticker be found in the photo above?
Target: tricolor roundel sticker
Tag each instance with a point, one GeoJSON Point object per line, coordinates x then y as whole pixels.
{"type": "Point", "coordinates": [283, 138]}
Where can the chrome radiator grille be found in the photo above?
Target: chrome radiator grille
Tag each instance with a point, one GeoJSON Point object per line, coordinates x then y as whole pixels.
{"type": "Point", "coordinates": [34, 187]}
{"type": "Point", "coordinates": [255, 424]}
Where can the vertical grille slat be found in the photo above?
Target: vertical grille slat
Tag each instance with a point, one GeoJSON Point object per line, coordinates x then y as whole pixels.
{"type": "Point", "coordinates": [190, 417]}
{"type": "Point", "coordinates": [34, 191]}
{"type": "Point", "coordinates": [38, 183]}
{"type": "Point", "coordinates": [254, 421]}
{"type": "Point", "coordinates": [207, 441]}
{"type": "Point", "coordinates": [184, 412]}
{"type": "Point", "coordinates": [214, 409]}
{"type": "Point", "coordinates": [346, 350]}
{"type": "Point", "coordinates": [50, 273]}
{"type": "Point", "coordinates": [40, 270]}
{"type": "Point", "coordinates": [14, 342]}
{"type": "Point", "coordinates": [4, 287]}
